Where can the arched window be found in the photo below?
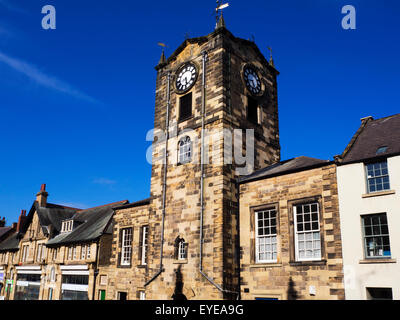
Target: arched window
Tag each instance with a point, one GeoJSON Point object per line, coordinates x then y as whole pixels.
{"type": "Point", "coordinates": [53, 275]}
{"type": "Point", "coordinates": [185, 150]}
{"type": "Point", "coordinates": [180, 249]}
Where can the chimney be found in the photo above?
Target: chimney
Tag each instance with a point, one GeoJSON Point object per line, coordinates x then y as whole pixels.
{"type": "Point", "coordinates": [41, 196]}
{"type": "Point", "coordinates": [14, 226]}
{"type": "Point", "coordinates": [21, 220]}
{"type": "Point", "coordinates": [3, 222]}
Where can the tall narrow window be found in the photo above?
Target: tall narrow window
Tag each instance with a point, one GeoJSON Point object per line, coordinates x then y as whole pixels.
{"type": "Point", "coordinates": [70, 253]}
{"type": "Point", "coordinates": [88, 251]}
{"type": "Point", "coordinates": [143, 245]}
{"type": "Point", "coordinates": [377, 177]}
{"type": "Point", "coordinates": [126, 250]}
{"type": "Point", "coordinates": [307, 232]}
{"type": "Point", "coordinates": [185, 110]}
{"type": "Point", "coordinates": [25, 250]}
{"type": "Point", "coordinates": [182, 250]}
{"type": "Point", "coordinates": [266, 242]}
{"type": "Point", "coordinates": [376, 236]}
{"type": "Point", "coordinates": [39, 253]}
{"type": "Point", "coordinates": [185, 150]}
{"type": "Point", "coordinates": [252, 109]}
{"type": "Point", "coordinates": [53, 274]}
{"type": "Point", "coordinates": [74, 256]}
{"type": "Point", "coordinates": [83, 252]}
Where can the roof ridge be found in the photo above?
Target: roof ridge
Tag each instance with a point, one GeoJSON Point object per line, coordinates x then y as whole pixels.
{"type": "Point", "coordinates": [105, 205]}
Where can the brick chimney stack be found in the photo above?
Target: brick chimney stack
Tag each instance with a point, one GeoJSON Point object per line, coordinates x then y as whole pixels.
{"type": "Point", "coordinates": [41, 196]}
{"type": "Point", "coordinates": [3, 222]}
{"type": "Point", "coordinates": [21, 220]}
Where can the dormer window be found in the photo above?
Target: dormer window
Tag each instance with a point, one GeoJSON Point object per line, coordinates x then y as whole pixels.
{"type": "Point", "coordinates": [381, 150]}
{"type": "Point", "coordinates": [67, 226]}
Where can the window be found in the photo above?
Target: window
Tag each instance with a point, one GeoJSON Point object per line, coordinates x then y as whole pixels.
{"type": "Point", "coordinates": [39, 253]}
{"type": "Point", "coordinates": [377, 177]}
{"type": "Point", "coordinates": [266, 244]}
{"type": "Point", "coordinates": [25, 253]}
{"type": "Point", "coordinates": [252, 109]}
{"type": "Point", "coordinates": [307, 232]}
{"type": "Point", "coordinates": [126, 250]}
{"type": "Point", "coordinates": [379, 294]}
{"type": "Point", "coordinates": [381, 150]}
{"type": "Point", "coordinates": [376, 236]}
{"type": "Point", "coordinates": [53, 274]}
{"type": "Point", "coordinates": [67, 225]}
{"type": "Point", "coordinates": [185, 150]}
{"type": "Point", "coordinates": [180, 247]}
{"type": "Point", "coordinates": [69, 253]}
{"type": "Point", "coordinates": [50, 293]}
{"type": "Point", "coordinates": [74, 253]}
{"type": "Point", "coordinates": [88, 251]}
{"type": "Point", "coordinates": [55, 254]}
{"type": "Point", "coordinates": [144, 244]}
{"type": "Point", "coordinates": [142, 295]}
{"type": "Point", "coordinates": [185, 103]}
{"type": "Point", "coordinates": [83, 253]}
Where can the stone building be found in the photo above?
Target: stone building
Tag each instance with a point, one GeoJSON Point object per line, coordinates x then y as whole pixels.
{"type": "Point", "coordinates": [368, 176]}
{"type": "Point", "coordinates": [215, 83]}
{"type": "Point", "coordinates": [290, 241]}
{"type": "Point", "coordinates": [56, 251]}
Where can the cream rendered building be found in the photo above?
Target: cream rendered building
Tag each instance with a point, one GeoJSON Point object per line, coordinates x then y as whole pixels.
{"type": "Point", "coordinates": [368, 176]}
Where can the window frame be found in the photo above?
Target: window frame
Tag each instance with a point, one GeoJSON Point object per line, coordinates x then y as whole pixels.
{"type": "Point", "coordinates": [257, 236]}
{"type": "Point", "coordinates": [126, 250]}
{"type": "Point", "coordinates": [312, 231]}
{"type": "Point", "coordinates": [144, 244]}
{"type": "Point", "coordinates": [364, 236]}
{"type": "Point", "coordinates": [185, 142]}
{"type": "Point", "coordinates": [184, 117]}
{"type": "Point", "coordinates": [182, 250]}
{"type": "Point", "coordinates": [367, 179]}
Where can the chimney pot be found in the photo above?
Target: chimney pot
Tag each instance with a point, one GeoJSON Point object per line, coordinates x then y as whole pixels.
{"type": "Point", "coordinates": [43, 187]}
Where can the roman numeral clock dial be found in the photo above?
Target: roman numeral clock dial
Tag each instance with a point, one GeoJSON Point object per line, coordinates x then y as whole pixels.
{"type": "Point", "coordinates": [186, 77]}
{"type": "Point", "coordinates": [252, 80]}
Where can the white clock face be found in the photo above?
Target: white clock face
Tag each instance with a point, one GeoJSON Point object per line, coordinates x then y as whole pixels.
{"type": "Point", "coordinates": [252, 80]}
{"type": "Point", "coordinates": [186, 77]}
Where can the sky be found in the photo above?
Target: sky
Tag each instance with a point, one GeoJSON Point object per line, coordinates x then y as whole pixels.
{"type": "Point", "coordinates": [77, 102]}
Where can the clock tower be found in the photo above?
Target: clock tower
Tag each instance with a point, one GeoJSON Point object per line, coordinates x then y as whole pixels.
{"type": "Point", "coordinates": [216, 114]}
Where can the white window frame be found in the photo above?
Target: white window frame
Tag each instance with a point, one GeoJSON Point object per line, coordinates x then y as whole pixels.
{"type": "Point", "coordinates": [67, 226]}
{"type": "Point", "coordinates": [126, 246]}
{"type": "Point", "coordinates": [142, 295]}
{"type": "Point", "coordinates": [74, 253]}
{"type": "Point", "coordinates": [88, 252]}
{"type": "Point", "coordinates": [182, 252]}
{"type": "Point", "coordinates": [53, 274]}
{"type": "Point", "coordinates": [69, 253]}
{"type": "Point", "coordinates": [25, 250]}
{"type": "Point", "coordinates": [145, 232]}
{"type": "Point", "coordinates": [39, 253]}
{"type": "Point", "coordinates": [83, 252]}
{"type": "Point", "coordinates": [273, 237]}
{"type": "Point", "coordinates": [312, 231]}
{"type": "Point", "coordinates": [185, 150]}
{"type": "Point", "coordinates": [382, 176]}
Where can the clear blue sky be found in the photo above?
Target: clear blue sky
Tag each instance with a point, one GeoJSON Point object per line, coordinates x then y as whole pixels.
{"type": "Point", "coordinates": [76, 102]}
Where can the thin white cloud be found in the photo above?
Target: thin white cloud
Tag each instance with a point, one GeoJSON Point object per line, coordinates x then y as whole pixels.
{"type": "Point", "coordinates": [104, 181]}
{"type": "Point", "coordinates": [43, 79]}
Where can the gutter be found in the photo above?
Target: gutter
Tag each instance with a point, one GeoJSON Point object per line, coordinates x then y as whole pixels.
{"type": "Point", "coordinates": [164, 180]}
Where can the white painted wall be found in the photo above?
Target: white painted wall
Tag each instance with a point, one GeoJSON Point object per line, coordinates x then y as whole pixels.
{"type": "Point", "coordinates": [351, 187]}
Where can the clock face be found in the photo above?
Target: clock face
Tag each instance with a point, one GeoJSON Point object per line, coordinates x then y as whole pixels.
{"type": "Point", "coordinates": [186, 77]}
{"type": "Point", "coordinates": [252, 80]}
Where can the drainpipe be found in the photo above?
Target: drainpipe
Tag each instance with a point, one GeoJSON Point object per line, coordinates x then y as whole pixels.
{"type": "Point", "coordinates": [204, 59]}
{"type": "Point", "coordinates": [164, 179]}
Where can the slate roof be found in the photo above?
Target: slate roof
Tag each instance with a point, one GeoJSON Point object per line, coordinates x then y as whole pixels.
{"type": "Point", "coordinates": [92, 223]}
{"type": "Point", "coordinates": [372, 135]}
{"type": "Point", "coordinates": [284, 167]}
{"type": "Point", "coordinates": [11, 243]}
{"type": "Point", "coordinates": [4, 230]}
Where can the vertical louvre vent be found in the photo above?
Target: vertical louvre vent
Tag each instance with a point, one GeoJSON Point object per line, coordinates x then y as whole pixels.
{"type": "Point", "coordinates": [252, 109]}
{"type": "Point", "coordinates": [185, 106]}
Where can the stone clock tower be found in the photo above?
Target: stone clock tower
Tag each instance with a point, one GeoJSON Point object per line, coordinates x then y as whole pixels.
{"type": "Point", "coordinates": [215, 83]}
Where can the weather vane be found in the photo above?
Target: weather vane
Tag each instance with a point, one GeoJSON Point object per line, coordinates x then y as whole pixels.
{"type": "Point", "coordinates": [220, 7]}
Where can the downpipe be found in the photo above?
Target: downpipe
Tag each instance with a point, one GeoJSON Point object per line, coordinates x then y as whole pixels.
{"type": "Point", "coordinates": [164, 180]}
{"type": "Point", "coordinates": [204, 59]}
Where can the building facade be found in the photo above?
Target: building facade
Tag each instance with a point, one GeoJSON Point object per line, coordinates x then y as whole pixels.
{"type": "Point", "coordinates": [290, 241]}
{"type": "Point", "coordinates": [369, 195]}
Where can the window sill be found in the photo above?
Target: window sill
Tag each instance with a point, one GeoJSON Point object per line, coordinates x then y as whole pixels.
{"type": "Point", "coordinates": [377, 260]}
{"type": "Point", "coordinates": [308, 263]}
{"type": "Point", "coordinates": [141, 266]}
{"type": "Point", "coordinates": [124, 266]}
{"type": "Point", "coordinates": [266, 265]}
{"type": "Point", "coordinates": [377, 194]}
{"type": "Point", "coordinates": [180, 261]}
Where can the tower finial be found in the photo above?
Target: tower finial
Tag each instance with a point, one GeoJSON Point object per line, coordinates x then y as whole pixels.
{"type": "Point", "coordinates": [219, 17]}
{"type": "Point", "coordinates": [271, 61]}
{"type": "Point", "coordinates": [162, 59]}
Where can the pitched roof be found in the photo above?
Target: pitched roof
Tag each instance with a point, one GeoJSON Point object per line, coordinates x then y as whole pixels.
{"type": "Point", "coordinates": [92, 223]}
{"type": "Point", "coordinates": [284, 167]}
{"type": "Point", "coordinates": [372, 135]}
{"type": "Point", "coordinates": [11, 243]}
{"type": "Point", "coordinates": [4, 230]}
